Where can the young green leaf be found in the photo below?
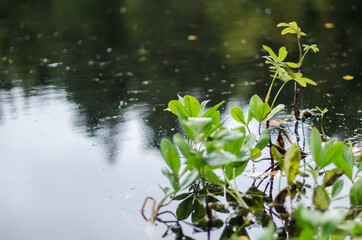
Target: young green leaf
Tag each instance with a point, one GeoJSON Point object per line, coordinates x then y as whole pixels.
{"type": "Point", "coordinates": [334, 152]}
{"type": "Point", "coordinates": [177, 108]}
{"type": "Point", "coordinates": [211, 110]}
{"type": "Point", "coordinates": [255, 102]}
{"type": "Point", "coordinates": [182, 145]}
{"type": "Point", "coordinates": [315, 145]}
{"type": "Point", "coordinates": [263, 140]}
{"type": "Point", "coordinates": [337, 188]}
{"type": "Point", "coordinates": [192, 106]}
{"type": "Point", "coordinates": [238, 115]}
{"type": "Point", "coordinates": [203, 106]}
{"type": "Point", "coordinates": [274, 112]}
{"type": "Point", "coordinates": [261, 112]}
{"type": "Point", "coordinates": [271, 53]}
{"type": "Point", "coordinates": [189, 179]}
{"type": "Point", "coordinates": [282, 54]}
{"type": "Point", "coordinates": [198, 211]}
{"type": "Point", "coordinates": [291, 162]}
{"type": "Point", "coordinates": [171, 156]}
{"type": "Point", "coordinates": [355, 194]}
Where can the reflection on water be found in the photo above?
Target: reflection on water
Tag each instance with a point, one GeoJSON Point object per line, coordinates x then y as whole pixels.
{"type": "Point", "coordinates": [83, 85]}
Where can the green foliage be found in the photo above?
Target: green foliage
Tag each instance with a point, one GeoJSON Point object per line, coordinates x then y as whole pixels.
{"type": "Point", "coordinates": [204, 161]}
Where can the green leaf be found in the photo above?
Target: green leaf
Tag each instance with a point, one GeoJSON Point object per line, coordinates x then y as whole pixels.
{"type": "Point", "coordinates": [189, 179]}
{"type": "Point", "coordinates": [331, 176]}
{"type": "Point", "coordinates": [282, 54]}
{"type": "Point", "coordinates": [198, 211]}
{"type": "Point", "coordinates": [309, 81]}
{"type": "Point", "coordinates": [276, 156]}
{"type": "Point", "coordinates": [267, 233]}
{"type": "Point", "coordinates": [171, 177]}
{"type": "Point", "coordinates": [212, 177]}
{"type": "Point", "coordinates": [232, 172]}
{"type": "Point", "coordinates": [184, 209]}
{"type": "Point", "coordinates": [177, 108]}
{"type": "Point", "coordinates": [203, 106]}
{"type": "Point", "coordinates": [182, 145]}
{"type": "Point", "coordinates": [321, 198]}
{"type": "Point", "coordinates": [301, 82]}
{"type": "Point", "coordinates": [315, 145]}
{"type": "Point", "coordinates": [192, 106]}
{"type": "Point", "coordinates": [263, 140]}
{"type": "Point", "coordinates": [255, 102]}
{"type": "Point", "coordinates": [194, 127]}
{"type": "Point", "coordinates": [215, 124]}
{"type": "Point", "coordinates": [261, 112]}
{"type": "Point", "coordinates": [171, 156]}
{"type": "Point", "coordinates": [291, 162]}
{"type": "Point", "coordinates": [274, 112]}
{"type": "Point", "coordinates": [211, 110]}
{"type": "Point", "coordinates": [292, 64]}
{"type": "Point", "coordinates": [271, 53]}
{"type": "Point", "coordinates": [283, 25]}
{"type": "Point", "coordinates": [288, 30]}
{"type": "Point", "coordinates": [334, 152]}
{"type": "Point", "coordinates": [220, 158]}
{"type": "Point", "coordinates": [337, 188]}
{"type": "Point", "coordinates": [238, 115]}
{"type": "Point", "coordinates": [355, 194]}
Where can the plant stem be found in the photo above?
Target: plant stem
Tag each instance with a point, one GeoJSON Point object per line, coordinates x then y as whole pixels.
{"type": "Point", "coordinates": [276, 96]}
{"type": "Point", "coordinates": [270, 88]}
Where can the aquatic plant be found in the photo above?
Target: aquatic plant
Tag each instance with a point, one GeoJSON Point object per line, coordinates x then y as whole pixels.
{"type": "Point", "coordinates": [205, 160]}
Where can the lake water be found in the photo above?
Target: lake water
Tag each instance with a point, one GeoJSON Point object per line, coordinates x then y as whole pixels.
{"type": "Point", "coordinates": [83, 85]}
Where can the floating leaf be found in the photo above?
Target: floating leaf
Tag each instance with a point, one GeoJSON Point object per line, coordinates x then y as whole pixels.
{"type": "Point", "coordinates": [291, 162]}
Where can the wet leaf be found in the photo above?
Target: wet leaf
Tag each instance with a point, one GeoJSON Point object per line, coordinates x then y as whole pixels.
{"type": "Point", "coordinates": [171, 156]}
{"type": "Point", "coordinates": [321, 198]}
{"type": "Point", "coordinates": [355, 194]}
{"type": "Point", "coordinates": [211, 110]}
{"type": "Point", "coordinates": [261, 112]}
{"type": "Point", "coordinates": [291, 162]}
{"type": "Point", "coordinates": [276, 155]}
{"type": "Point", "coordinates": [177, 108]}
{"type": "Point", "coordinates": [315, 145]}
{"type": "Point", "coordinates": [337, 188]}
{"type": "Point", "coordinates": [182, 145]}
{"type": "Point", "coordinates": [263, 140]}
{"type": "Point", "coordinates": [184, 209]}
{"type": "Point", "coordinates": [274, 112]}
{"type": "Point", "coordinates": [238, 115]}
{"type": "Point", "coordinates": [255, 102]}
{"type": "Point", "coordinates": [192, 106]}
{"type": "Point", "coordinates": [198, 211]}
{"type": "Point", "coordinates": [331, 176]}
{"type": "Point", "coordinates": [193, 175]}
{"type": "Point", "coordinates": [333, 153]}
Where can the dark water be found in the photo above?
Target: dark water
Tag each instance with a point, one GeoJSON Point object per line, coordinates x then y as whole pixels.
{"type": "Point", "coordinates": [83, 85]}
